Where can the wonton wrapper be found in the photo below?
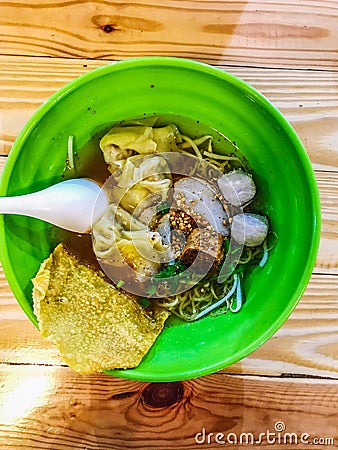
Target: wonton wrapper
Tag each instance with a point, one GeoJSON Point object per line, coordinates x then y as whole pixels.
{"type": "Point", "coordinates": [121, 141]}
{"type": "Point", "coordinates": [94, 325]}
{"type": "Point", "coordinates": [140, 248]}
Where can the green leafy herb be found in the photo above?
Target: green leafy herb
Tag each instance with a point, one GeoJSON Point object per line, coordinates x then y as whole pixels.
{"type": "Point", "coordinates": [151, 290]}
{"type": "Point", "coordinates": [172, 269]}
{"type": "Point", "coordinates": [163, 207]}
{"type": "Point", "coordinates": [145, 302]}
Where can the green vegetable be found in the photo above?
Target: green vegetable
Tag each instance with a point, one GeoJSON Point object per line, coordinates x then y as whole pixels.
{"type": "Point", "coordinates": [145, 302]}
{"type": "Point", "coordinates": [151, 290]}
{"type": "Point", "coordinates": [172, 269]}
{"type": "Point", "coordinates": [163, 207]}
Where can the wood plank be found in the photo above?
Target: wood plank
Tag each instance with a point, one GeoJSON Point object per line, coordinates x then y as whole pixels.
{"type": "Point", "coordinates": [306, 344]}
{"type": "Point", "coordinates": [259, 33]}
{"type": "Point", "coordinates": [327, 258]}
{"type": "Point", "coordinates": [285, 352]}
{"type": "Point", "coordinates": [48, 407]}
{"type": "Point", "coordinates": [2, 163]}
{"type": "Point", "coordinates": [308, 99]}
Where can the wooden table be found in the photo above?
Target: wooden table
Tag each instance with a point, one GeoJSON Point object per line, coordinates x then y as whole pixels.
{"type": "Point", "coordinates": [287, 50]}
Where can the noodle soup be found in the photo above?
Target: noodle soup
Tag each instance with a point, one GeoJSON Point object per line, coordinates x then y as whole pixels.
{"type": "Point", "coordinates": [151, 242]}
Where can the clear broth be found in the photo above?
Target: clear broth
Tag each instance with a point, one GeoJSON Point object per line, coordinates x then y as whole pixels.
{"type": "Point", "coordinates": [89, 163]}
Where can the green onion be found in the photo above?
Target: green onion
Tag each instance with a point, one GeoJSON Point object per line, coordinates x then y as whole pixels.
{"type": "Point", "coordinates": [151, 290]}
{"type": "Point", "coordinates": [145, 302]}
{"type": "Point", "coordinates": [119, 284]}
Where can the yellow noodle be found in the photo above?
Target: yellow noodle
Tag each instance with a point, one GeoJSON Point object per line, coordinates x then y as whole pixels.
{"type": "Point", "coordinates": [197, 142]}
{"type": "Point", "coordinates": [194, 301]}
{"type": "Point", "coordinates": [192, 145]}
{"type": "Point", "coordinates": [246, 259]}
{"type": "Point", "coordinates": [221, 157]}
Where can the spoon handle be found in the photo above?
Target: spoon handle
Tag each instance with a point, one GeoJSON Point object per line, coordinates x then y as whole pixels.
{"type": "Point", "coordinates": [69, 204]}
{"type": "Point", "coordinates": [23, 205]}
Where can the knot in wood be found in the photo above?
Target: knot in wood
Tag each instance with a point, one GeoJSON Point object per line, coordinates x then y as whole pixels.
{"type": "Point", "coordinates": [108, 28]}
{"type": "Point", "coordinates": [162, 395]}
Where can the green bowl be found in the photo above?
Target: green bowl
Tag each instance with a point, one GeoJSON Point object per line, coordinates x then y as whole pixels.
{"type": "Point", "coordinates": [282, 170]}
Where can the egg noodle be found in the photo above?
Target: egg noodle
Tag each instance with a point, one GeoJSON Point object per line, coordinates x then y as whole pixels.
{"type": "Point", "coordinates": [210, 296]}
{"type": "Point", "coordinates": [137, 156]}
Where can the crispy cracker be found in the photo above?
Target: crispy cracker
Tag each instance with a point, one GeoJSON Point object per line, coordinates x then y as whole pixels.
{"type": "Point", "coordinates": [94, 325]}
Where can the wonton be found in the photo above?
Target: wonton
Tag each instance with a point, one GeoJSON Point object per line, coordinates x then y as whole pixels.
{"type": "Point", "coordinates": [122, 142]}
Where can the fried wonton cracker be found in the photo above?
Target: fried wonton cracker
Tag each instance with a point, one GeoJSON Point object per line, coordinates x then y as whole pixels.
{"type": "Point", "coordinates": [94, 325]}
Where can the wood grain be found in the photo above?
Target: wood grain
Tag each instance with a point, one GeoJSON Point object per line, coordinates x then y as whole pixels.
{"type": "Point", "coordinates": [260, 33]}
{"type": "Point", "coordinates": [68, 411]}
{"type": "Point", "coordinates": [306, 344]}
{"type": "Point", "coordinates": [327, 259]}
{"type": "Point", "coordinates": [308, 99]}
{"type": "Point", "coordinates": [2, 163]}
{"type": "Point", "coordinates": [293, 377]}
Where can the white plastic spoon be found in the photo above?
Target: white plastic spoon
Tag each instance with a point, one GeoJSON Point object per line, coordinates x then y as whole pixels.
{"type": "Point", "coordinates": [73, 204]}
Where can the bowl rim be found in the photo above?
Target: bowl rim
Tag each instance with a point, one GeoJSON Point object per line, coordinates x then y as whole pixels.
{"type": "Point", "coordinates": [225, 76]}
